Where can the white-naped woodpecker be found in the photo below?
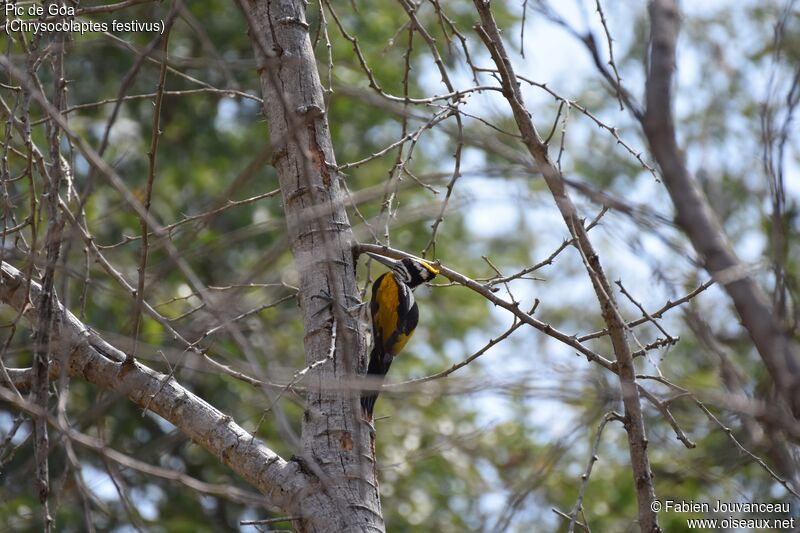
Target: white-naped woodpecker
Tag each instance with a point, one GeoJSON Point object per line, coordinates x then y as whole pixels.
{"type": "Point", "coordinates": [394, 316]}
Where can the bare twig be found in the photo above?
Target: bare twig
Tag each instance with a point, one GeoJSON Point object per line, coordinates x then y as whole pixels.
{"type": "Point", "coordinates": [465, 362]}
{"type": "Point", "coordinates": [611, 63]}
{"type": "Point", "coordinates": [151, 174]}
{"type": "Point", "coordinates": [686, 393]}
{"type": "Point", "coordinates": [578, 507]}
{"type": "Point", "coordinates": [671, 304]}
{"type": "Point", "coordinates": [643, 310]}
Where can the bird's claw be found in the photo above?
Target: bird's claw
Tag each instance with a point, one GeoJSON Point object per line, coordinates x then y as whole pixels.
{"type": "Point", "coordinates": [329, 299]}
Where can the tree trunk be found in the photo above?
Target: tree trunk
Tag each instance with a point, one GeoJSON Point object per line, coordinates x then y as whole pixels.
{"type": "Point", "coordinates": [337, 451]}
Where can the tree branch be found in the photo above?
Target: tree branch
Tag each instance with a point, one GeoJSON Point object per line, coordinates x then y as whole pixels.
{"type": "Point", "coordinates": [634, 421]}
{"type": "Point", "coordinates": [89, 357]}
{"type": "Point", "coordinates": [694, 215]}
{"type": "Point", "coordinates": [489, 294]}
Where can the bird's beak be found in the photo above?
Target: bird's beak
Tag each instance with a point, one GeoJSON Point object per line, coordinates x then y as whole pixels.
{"type": "Point", "coordinates": [391, 263]}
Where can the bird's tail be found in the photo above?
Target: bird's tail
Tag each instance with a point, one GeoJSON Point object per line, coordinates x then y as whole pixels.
{"type": "Point", "coordinates": [378, 366]}
{"type": "Point", "coordinates": [368, 403]}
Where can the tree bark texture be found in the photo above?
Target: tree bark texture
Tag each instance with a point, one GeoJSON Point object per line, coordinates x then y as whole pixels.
{"type": "Point", "coordinates": [336, 442]}
{"type": "Point", "coordinates": [331, 483]}
{"type": "Point", "coordinates": [694, 215]}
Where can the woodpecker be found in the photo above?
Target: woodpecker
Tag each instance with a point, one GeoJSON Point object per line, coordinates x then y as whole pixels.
{"type": "Point", "coordinates": [394, 315]}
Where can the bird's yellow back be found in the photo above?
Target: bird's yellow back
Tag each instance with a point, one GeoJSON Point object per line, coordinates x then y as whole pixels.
{"type": "Point", "coordinates": [390, 300]}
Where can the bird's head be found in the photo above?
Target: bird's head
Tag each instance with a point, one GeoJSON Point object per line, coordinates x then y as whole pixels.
{"type": "Point", "coordinates": [411, 272]}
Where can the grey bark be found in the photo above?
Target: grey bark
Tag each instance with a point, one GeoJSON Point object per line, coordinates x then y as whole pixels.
{"type": "Point", "coordinates": [337, 445]}
{"type": "Point", "coordinates": [694, 215]}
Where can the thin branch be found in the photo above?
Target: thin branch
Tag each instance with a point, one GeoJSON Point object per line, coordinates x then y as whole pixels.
{"type": "Point", "coordinates": [663, 408]}
{"type": "Point", "coordinates": [487, 293]}
{"type": "Point", "coordinates": [612, 64]}
{"type": "Point", "coordinates": [686, 393]}
{"type": "Point", "coordinates": [148, 194]}
{"type": "Point", "coordinates": [655, 314]}
{"type": "Point", "coordinates": [643, 310]}
{"type": "Point", "coordinates": [578, 507]}
{"type": "Point", "coordinates": [585, 111]}
{"type": "Point", "coordinates": [465, 362]}
{"type": "Point", "coordinates": [94, 360]}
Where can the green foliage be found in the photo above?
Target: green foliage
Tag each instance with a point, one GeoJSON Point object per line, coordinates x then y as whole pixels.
{"type": "Point", "coordinates": [498, 444]}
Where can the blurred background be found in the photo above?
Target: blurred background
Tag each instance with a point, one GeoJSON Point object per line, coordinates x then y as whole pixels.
{"type": "Point", "coordinates": [502, 442]}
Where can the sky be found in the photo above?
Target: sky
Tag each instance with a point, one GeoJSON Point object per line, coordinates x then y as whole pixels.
{"type": "Point", "coordinates": [501, 207]}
